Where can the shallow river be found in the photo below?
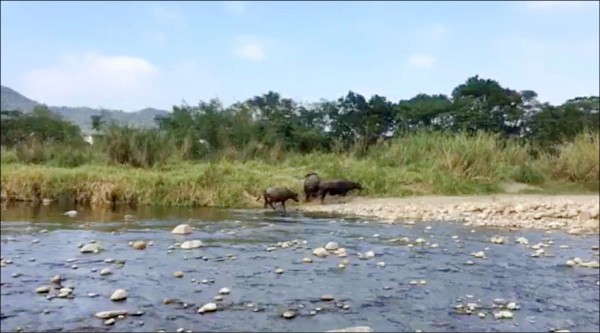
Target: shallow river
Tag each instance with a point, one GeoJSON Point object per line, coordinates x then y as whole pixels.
{"type": "Point", "coordinates": [41, 242]}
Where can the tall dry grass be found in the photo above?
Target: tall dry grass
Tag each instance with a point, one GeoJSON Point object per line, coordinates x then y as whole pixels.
{"type": "Point", "coordinates": [419, 164]}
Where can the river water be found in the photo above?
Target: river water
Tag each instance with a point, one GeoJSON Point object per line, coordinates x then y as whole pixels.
{"type": "Point", "coordinates": [41, 242]}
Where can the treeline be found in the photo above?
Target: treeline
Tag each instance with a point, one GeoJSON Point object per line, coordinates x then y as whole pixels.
{"type": "Point", "coordinates": [353, 123]}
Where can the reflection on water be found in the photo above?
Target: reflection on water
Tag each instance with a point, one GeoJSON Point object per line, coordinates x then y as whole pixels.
{"type": "Point", "coordinates": [550, 294]}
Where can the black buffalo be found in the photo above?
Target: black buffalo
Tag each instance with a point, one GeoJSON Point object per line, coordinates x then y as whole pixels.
{"type": "Point", "coordinates": [337, 187]}
{"type": "Point", "coordinates": [277, 194]}
{"type": "Point", "coordinates": [311, 185]}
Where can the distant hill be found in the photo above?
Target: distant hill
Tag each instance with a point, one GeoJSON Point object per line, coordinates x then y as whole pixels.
{"type": "Point", "coordinates": [81, 116]}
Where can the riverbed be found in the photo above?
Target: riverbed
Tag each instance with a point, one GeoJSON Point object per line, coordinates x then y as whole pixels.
{"type": "Point", "coordinates": [422, 276]}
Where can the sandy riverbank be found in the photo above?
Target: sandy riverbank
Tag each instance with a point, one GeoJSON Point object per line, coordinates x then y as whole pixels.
{"type": "Point", "coordinates": [576, 214]}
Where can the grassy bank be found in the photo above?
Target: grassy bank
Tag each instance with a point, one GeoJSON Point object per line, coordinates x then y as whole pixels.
{"type": "Point", "coordinates": [421, 164]}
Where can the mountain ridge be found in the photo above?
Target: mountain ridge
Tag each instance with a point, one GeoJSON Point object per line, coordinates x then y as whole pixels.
{"type": "Point", "coordinates": [81, 116]}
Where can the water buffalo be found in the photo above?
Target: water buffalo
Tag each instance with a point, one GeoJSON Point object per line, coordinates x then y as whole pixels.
{"type": "Point", "coordinates": [335, 187]}
{"type": "Point", "coordinates": [277, 194]}
{"type": "Point", "coordinates": [311, 185]}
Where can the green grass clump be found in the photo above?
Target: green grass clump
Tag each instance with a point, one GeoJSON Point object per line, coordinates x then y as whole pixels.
{"type": "Point", "coordinates": [420, 164]}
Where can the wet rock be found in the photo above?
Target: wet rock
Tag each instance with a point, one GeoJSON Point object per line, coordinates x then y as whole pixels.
{"type": "Point", "coordinates": [106, 271]}
{"type": "Point", "coordinates": [182, 229]}
{"type": "Point", "coordinates": [279, 271]}
{"type": "Point", "coordinates": [320, 252]}
{"type": "Point", "coordinates": [71, 213]}
{"type": "Point", "coordinates": [56, 279]}
{"type": "Point", "coordinates": [109, 321]}
{"type": "Point", "coordinates": [381, 264]}
{"type": "Point", "coordinates": [420, 241]}
{"type": "Point", "coordinates": [289, 314]}
{"type": "Point", "coordinates": [139, 245]}
{"type": "Point", "coordinates": [43, 290]}
{"type": "Point", "coordinates": [331, 246]}
{"type": "Point", "coordinates": [90, 248]}
{"type": "Point", "coordinates": [118, 295]}
{"type": "Point", "coordinates": [178, 274]}
{"type": "Point", "coordinates": [224, 291]}
{"type": "Point", "coordinates": [498, 239]}
{"type": "Point", "coordinates": [110, 314]}
{"type": "Point", "coordinates": [218, 298]}
{"type": "Point", "coordinates": [590, 264]}
{"type": "Point", "coordinates": [479, 254]}
{"type": "Point", "coordinates": [365, 329]}
{"type": "Point", "coordinates": [327, 297]}
{"type": "Point", "coordinates": [522, 240]}
{"type": "Point", "coordinates": [307, 260]}
{"type": "Point", "coordinates": [208, 307]}
{"type": "Point", "coordinates": [193, 244]}
{"type": "Point", "coordinates": [504, 314]}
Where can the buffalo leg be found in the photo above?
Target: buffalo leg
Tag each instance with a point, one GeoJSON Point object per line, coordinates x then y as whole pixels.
{"type": "Point", "coordinates": [323, 194]}
{"type": "Point", "coordinates": [283, 205]}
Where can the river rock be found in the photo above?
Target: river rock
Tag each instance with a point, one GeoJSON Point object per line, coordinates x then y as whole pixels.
{"type": "Point", "coordinates": [109, 321]}
{"type": "Point", "coordinates": [307, 260]}
{"type": "Point", "coordinates": [106, 271]}
{"type": "Point", "coordinates": [590, 264]}
{"type": "Point", "coordinates": [327, 298]}
{"type": "Point", "coordinates": [353, 329]}
{"type": "Point", "coordinates": [208, 307]}
{"type": "Point", "coordinates": [90, 248]}
{"type": "Point", "coordinates": [71, 213]}
{"type": "Point", "coordinates": [43, 289]}
{"type": "Point", "coordinates": [139, 245]}
{"type": "Point", "coordinates": [504, 314]}
{"type": "Point", "coordinates": [118, 295]}
{"type": "Point", "coordinates": [331, 246]}
{"type": "Point", "coordinates": [289, 314]}
{"type": "Point", "coordinates": [56, 279]}
{"type": "Point", "coordinates": [224, 291]}
{"type": "Point", "coordinates": [178, 274]}
{"type": "Point", "coordinates": [522, 240]}
{"type": "Point", "coordinates": [182, 229]}
{"type": "Point", "coordinates": [110, 314]}
{"type": "Point", "coordinates": [420, 241]}
{"type": "Point", "coordinates": [479, 254]}
{"type": "Point", "coordinates": [320, 252]}
{"type": "Point", "coordinates": [193, 244]}
{"type": "Point", "coordinates": [279, 270]}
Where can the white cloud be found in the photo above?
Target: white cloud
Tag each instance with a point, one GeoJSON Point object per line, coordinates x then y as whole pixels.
{"type": "Point", "coordinates": [237, 7]}
{"type": "Point", "coordinates": [554, 5]}
{"type": "Point", "coordinates": [120, 82]}
{"type": "Point", "coordinates": [420, 60]}
{"type": "Point", "coordinates": [249, 50]}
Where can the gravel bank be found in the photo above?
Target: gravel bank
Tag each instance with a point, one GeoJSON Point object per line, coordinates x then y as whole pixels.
{"type": "Point", "coordinates": [576, 214]}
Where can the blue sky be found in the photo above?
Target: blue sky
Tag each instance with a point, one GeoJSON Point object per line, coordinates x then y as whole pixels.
{"type": "Point", "coordinates": [131, 55]}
